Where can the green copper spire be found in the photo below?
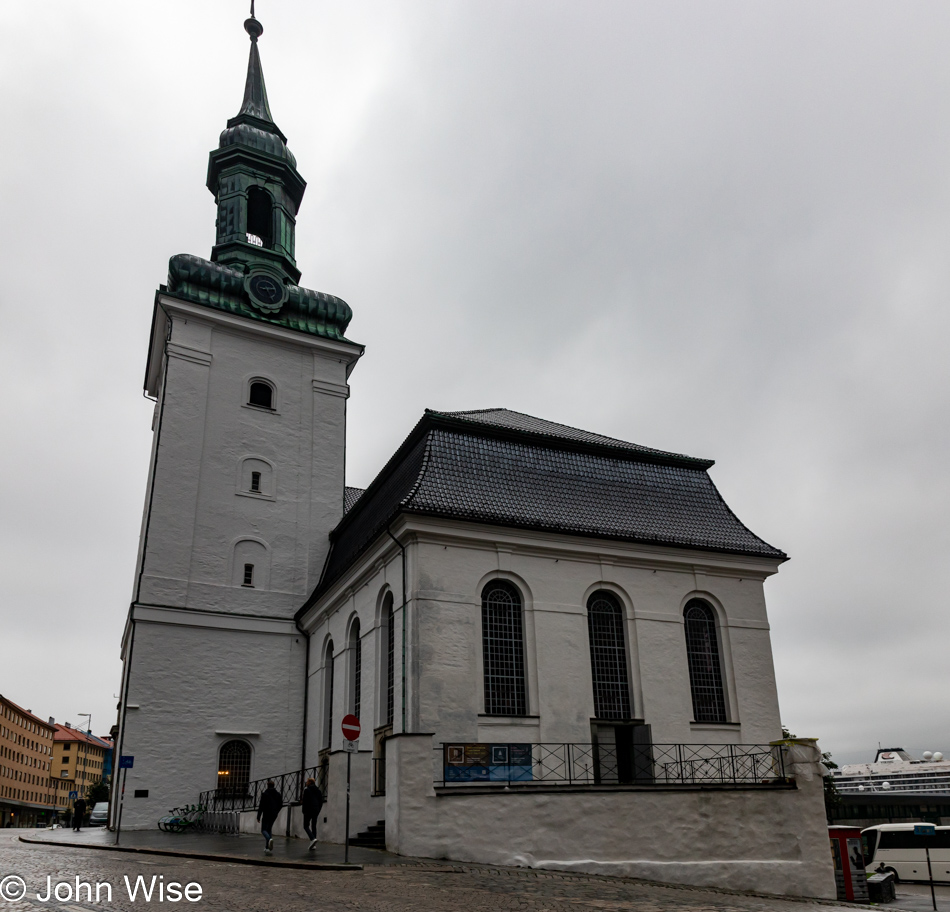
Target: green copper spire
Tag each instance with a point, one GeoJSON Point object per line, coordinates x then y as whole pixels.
{"type": "Point", "coordinates": [252, 273]}
{"type": "Point", "coordinates": [254, 179]}
{"type": "Point", "coordinates": [255, 92]}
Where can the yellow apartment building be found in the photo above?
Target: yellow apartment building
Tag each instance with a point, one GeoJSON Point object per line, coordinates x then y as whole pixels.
{"type": "Point", "coordinates": [27, 798]}
{"type": "Point", "coordinates": [79, 760]}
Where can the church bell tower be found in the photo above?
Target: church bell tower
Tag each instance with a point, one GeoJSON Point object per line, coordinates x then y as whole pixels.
{"type": "Point", "coordinates": [249, 371]}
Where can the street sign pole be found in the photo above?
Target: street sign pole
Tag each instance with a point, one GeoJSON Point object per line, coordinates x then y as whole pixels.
{"type": "Point", "coordinates": [125, 764]}
{"type": "Point", "coordinates": [346, 850]}
{"type": "Point", "coordinates": [351, 732]}
{"type": "Point", "coordinates": [118, 824]}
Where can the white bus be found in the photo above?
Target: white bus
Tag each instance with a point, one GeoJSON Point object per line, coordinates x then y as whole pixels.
{"type": "Point", "coordinates": [894, 847]}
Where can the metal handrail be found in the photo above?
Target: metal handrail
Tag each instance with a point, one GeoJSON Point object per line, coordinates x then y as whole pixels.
{"type": "Point", "coordinates": [223, 806]}
{"type": "Point", "coordinates": [575, 763]}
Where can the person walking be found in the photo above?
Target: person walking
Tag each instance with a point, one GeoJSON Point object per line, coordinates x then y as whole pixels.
{"type": "Point", "coordinates": [312, 803]}
{"type": "Point", "coordinates": [267, 811]}
{"type": "Point", "coordinates": [79, 811]}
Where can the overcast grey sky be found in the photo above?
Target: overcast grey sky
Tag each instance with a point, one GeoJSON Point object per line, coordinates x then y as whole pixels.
{"type": "Point", "coordinates": [717, 228]}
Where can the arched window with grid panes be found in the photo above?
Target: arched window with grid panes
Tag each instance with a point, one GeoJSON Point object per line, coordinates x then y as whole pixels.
{"type": "Point", "coordinates": [386, 679]}
{"type": "Point", "coordinates": [234, 768]}
{"type": "Point", "coordinates": [702, 652]}
{"type": "Point", "coordinates": [356, 668]}
{"type": "Point", "coordinates": [608, 656]}
{"type": "Point", "coordinates": [328, 694]}
{"type": "Point", "coordinates": [503, 650]}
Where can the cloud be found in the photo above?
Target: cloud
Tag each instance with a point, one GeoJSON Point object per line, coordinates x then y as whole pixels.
{"type": "Point", "coordinates": [719, 229]}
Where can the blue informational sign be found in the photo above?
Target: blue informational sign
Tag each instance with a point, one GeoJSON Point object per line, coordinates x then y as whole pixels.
{"type": "Point", "coordinates": [73, 795]}
{"type": "Point", "coordinates": [488, 763]}
{"type": "Point", "coordinates": [126, 762]}
{"type": "Point", "coordinates": [925, 829]}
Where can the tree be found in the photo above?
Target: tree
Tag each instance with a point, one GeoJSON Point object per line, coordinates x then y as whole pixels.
{"type": "Point", "coordinates": [98, 791]}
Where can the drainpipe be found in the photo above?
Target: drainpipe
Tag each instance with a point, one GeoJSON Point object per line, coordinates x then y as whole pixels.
{"type": "Point", "coordinates": [403, 609]}
{"type": "Point", "coordinates": [306, 699]}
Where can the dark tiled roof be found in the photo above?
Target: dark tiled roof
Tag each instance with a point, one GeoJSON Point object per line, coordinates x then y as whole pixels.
{"type": "Point", "coordinates": [489, 469]}
{"type": "Point", "coordinates": [350, 496]}
{"type": "Point", "coordinates": [505, 419]}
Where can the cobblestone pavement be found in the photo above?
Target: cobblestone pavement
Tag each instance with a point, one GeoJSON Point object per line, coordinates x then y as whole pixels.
{"type": "Point", "coordinates": [440, 887]}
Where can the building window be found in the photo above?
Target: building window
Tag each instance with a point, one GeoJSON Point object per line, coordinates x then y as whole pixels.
{"type": "Point", "coordinates": [261, 395]}
{"type": "Point", "coordinates": [234, 768]}
{"type": "Point", "coordinates": [328, 694]}
{"type": "Point", "coordinates": [503, 650]}
{"type": "Point", "coordinates": [356, 664]}
{"type": "Point", "coordinates": [248, 576]}
{"type": "Point", "coordinates": [705, 674]}
{"type": "Point", "coordinates": [389, 630]}
{"type": "Point", "coordinates": [608, 657]}
{"type": "Point", "coordinates": [256, 482]}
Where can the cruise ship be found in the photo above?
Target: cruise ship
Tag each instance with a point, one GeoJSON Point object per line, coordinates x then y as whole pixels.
{"type": "Point", "coordinates": [894, 770]}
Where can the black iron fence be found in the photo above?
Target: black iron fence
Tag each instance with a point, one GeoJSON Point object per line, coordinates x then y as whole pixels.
{"type": "Point", "coordinates": [609, 764]}
{"type": "Point", "coordinates": [222, 806]}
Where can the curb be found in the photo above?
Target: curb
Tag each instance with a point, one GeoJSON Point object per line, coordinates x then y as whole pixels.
{"type": "Point", "coordinates": [203, 856]}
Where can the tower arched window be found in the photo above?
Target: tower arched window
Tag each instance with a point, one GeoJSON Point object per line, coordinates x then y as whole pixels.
{"type": "Point", "coordinates": [705, 673]}
{"type": "Point", "coordinates": [261, 394]}
{"type": "Point", "coordinates": [503, 650]}
{"type": "Point", "coordinates": [608, 656]}
{"type": "Point", "coordinates": [328, 695]}
{"type": "Point", "coordinates": [356, 668]}
{"type": "Point", "coordinates": [234, 768]}
{"type": "Point", "coordinates": [260, 216]}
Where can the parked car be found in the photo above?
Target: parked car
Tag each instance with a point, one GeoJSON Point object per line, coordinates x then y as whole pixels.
{"type": "Point", "coordinates": [100, 814]}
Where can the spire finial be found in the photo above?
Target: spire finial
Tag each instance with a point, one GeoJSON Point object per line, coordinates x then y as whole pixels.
{"type": "Point", "coordinates": [252, 26]}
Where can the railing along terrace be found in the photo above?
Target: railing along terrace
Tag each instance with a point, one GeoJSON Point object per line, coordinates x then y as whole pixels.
{"type": "Point", "coordinates": [609, 764]}
{"type": "Point", "coordinates": [223, 806]}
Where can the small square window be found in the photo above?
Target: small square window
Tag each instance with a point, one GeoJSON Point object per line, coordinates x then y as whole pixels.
{"type": "Point", "coordinates": [256, 482]}
{"type": "Point", "coordinates": [248, 575]}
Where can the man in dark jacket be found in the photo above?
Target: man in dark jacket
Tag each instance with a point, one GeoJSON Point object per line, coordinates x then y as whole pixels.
{"type": "Point", "coordinates": [311, 801]}
{"type": "Point", "coordinates": [79, 811]}
{"type": "Point", "coordinates": [267, 812]}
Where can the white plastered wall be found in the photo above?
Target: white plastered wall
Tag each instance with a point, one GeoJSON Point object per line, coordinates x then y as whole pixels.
{"type": "Point", "coordinates": [448, 565]}
{"type": "Point", "coordinates": [202, 643]}
{"type": "Point", "coordinates": [763, 839]}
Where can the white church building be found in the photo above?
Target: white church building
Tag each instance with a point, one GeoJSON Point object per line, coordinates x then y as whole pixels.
{"type": "Point", "coordinates": [556, 642]}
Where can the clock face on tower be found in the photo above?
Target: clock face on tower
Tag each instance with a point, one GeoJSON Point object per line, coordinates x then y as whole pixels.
{"type": "Point", "coordinates": [267, 292]}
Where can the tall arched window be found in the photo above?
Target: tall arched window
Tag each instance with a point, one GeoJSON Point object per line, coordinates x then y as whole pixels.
{"type": "Point", "coordinates": [387, 677]}
{"type": "Point", "coordinates": [503, 650]}
{"type": "Point", "coordinates": [234, 768]}
{"type": "Point", "coordinates": [608, 657]}
{"type": "Point", "coordinates": [702, 651]}
{"type": "Point", "coordinates": [328, 694]}
{"type": "Point", "coordinates": [356, 668]}
{"type": "Point", "coordinates": [260, 215]}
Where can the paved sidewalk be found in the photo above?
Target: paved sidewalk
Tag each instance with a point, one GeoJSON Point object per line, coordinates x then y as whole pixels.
{"type": "Point", "coordinates": [240, 849]}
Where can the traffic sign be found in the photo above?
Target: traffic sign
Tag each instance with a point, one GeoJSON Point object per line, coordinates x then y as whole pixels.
{"type": "Point", "coordinates": [73, 795]}
{"type": "Point", "coordinates": [925, 829]}
{"type": "Point", "coordinates": [351, 727]}
{"type": "Point", "coordinates": [126, 761]}
{"type": "Point", "coordinates": [351, 747]}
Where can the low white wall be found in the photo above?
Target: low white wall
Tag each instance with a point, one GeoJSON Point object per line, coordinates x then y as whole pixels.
{"type": "Point", "coordinates": [767, 840]}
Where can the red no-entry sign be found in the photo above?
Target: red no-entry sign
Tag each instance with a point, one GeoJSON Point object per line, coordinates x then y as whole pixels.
{"type": "Point", "coordinates": [351, 727]}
